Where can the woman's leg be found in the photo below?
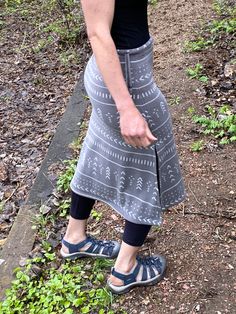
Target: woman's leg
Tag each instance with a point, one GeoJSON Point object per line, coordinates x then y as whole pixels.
{"type": "Point", "coordinates": [133, 238]}
{"type": "Point", "coordinates": [80, 210]}
{"type": "Point", "coordinates": [76, 243]}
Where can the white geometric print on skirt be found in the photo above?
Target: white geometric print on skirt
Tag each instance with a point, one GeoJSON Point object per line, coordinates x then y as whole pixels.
{"type": "Point", "coordinates": [139, 183]}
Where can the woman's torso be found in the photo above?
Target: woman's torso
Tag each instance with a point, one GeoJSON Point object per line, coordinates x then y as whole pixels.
{"type": "Point", "coordinates": [130, 23]}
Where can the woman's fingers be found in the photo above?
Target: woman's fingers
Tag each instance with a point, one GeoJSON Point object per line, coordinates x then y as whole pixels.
{"type": "Point", "coordinates": [150, 135]}
{"type": "Point", "coordinates": [136, 141]}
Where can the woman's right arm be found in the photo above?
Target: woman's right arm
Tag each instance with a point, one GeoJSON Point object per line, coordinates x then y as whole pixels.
{"type": "Point", "coordinates": [98, 17]}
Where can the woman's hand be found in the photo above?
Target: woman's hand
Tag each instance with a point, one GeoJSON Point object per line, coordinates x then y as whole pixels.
{"type": "Point", "coordinates": [134, 128]}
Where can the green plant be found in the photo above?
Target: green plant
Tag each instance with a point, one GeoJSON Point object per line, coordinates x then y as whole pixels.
{"type": "Point", "coordinates": [63, 182]}
{"type": "Point", "coordinates": [2, 204]}
{"type": "Point", "coordinates": [42, 44]}
{"type": "Point", "coordinates": [198, 44]}
{"type": "Point", "coordinates": [12, 3]}
{"type": "Point", "coordinates": [2, 24]}
{"type": "Point", "coordinates": [64, 206]}
{"type": "Point", "coordinates": [66, 289]}
{"type": "Point", "coordinates": [156, 228]}
{"type": "Point", "coordinates": [96, 215]}
{"type": "Point", "coordinates": [41, 220]}
{"type": "Point", "coordinates": [77, 143]}
{"type": "Point", "coordinates": [227, 25]}
{"type": "Point", "coordinates": [175, 100]}
{"type": "Point", "coordinates": [196, 73]}
{"type": "Point", "coordinates": [61, 30]}
{"type": "Point", "coordinates": [191, 110]}
{"type": "Point", "coordinates": [69, 56]}
{"type": "Point", "coordinates": [221, 124]}
{"type": "Point", "coordinates": [222, 8]}
{"type": "Point", "coordinates": [197, 146]}
{"type": "Point", "coordinates": [153, 2]}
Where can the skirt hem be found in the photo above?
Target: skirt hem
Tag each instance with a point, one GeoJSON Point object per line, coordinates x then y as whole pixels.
{"type": "Point", "coordinates": [112, 205]}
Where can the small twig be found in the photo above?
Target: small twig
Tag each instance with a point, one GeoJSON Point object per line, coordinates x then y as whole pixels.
{"type": "Point", "coordinates": [49, 180]}
{"type": "Point", "coordinates": [9, 197]}
{"type": "Point", "coordinates": [211, 216]}
{"type": "Point", "coordinates": [183, 281]}
{"type": "Point", "coordinates": [194, 194]}
{"type": "Point", "coordinates": [202, 214]}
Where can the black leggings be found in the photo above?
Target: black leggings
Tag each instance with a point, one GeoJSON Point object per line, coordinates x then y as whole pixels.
{"type": "Point", "coordinates": [134, 234]}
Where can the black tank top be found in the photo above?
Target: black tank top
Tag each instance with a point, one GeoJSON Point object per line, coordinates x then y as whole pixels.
{"type": "Point", "coordinates": [130, 24]}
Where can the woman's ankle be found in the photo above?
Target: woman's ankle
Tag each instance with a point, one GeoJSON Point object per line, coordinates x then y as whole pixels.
{"type": "Point", "coordinates": [75, 238]}
{"type": "Point", "coordinates": [126, 267]}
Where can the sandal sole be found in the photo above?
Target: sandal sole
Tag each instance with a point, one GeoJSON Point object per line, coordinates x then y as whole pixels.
{"type": "Point", "coordinates": [138, 284]}
{"type": "Point", "coordinates": [84, 254]}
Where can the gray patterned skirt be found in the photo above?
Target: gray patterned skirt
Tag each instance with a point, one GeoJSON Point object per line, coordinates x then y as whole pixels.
{"type": "Point", "coordinates": [138, 183]}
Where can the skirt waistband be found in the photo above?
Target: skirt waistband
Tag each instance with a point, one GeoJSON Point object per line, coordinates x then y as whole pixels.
{"type": "Point", "coordinates": [145, 48]}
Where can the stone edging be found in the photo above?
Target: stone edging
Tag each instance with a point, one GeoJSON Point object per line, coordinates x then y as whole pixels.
{"type": "Point", "coordinates": [21, 237]}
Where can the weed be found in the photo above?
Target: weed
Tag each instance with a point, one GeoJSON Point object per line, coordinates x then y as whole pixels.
{"type": "Point", "coordinates": [196, 73]}
{"type": "Point", "coordinates": [64, 206]}
{"type": "Point", "coordinates": [221, 8]}
{"type": "Point", "coordinates": [42, 44]}
{"type": "Point", "coordinates": [198, 44]}
{"type": "Point", "coordinates": [221, 124]}
{"type": "Point", "coordinates": [191, 110]}
{"type": "Point", "coordinates": [66, 289]}
{"type": "Point", "coordinates": [227, 25]}
{"type": "Point", "coordinates": [64, 179]}
{"type": "Point", "coordinates": [156, 228]}
{"type": "Point", "coordinates": [96, 215]}
{"type": "Point", "coordinates": [153, 2]}
{"type": "Point", "coordinates": [2, 24]}
{"type": "Point", "coordinates": [197, 146]}
{"type": "Point", "coordinates": [68, 57]}
{"type": "Point", "coordinates": [62, 31]}
{"type": "Point", "coordinates": [41, 220]}
{"type": "Point", "coordinates": [175, 100]}
{"type": "Point", "coordinates": [77, 143]}
{"type": "Point", "coordinates": [2, 204]}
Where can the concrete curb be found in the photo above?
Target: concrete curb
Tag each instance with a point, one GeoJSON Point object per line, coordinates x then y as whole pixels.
{"type": "Point", "coordinates": [21, 237]}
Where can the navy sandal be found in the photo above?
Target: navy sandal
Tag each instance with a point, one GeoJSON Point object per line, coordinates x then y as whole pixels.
{"type": "Point", "coordinates": [97, 248]}
{"type": "Point", "coordinates": [152, 269]}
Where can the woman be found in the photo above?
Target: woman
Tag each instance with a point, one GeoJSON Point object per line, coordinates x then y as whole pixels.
{"type": "Point", "coordinates": [128, 158]}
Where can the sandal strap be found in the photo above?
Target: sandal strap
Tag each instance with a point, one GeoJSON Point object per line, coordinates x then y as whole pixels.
{"type": "Point", "coordinates": [73, 248]}
{"type": "Point", "coordinates": [96, 246]}
{"type": "Point", "coordinates": [127, 278]}
{"type": "Point", "coordinates": [148, 264]}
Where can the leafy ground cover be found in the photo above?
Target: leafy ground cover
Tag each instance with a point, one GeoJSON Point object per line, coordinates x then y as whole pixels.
{"type": "Point", "coordinates": [198, 237]}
